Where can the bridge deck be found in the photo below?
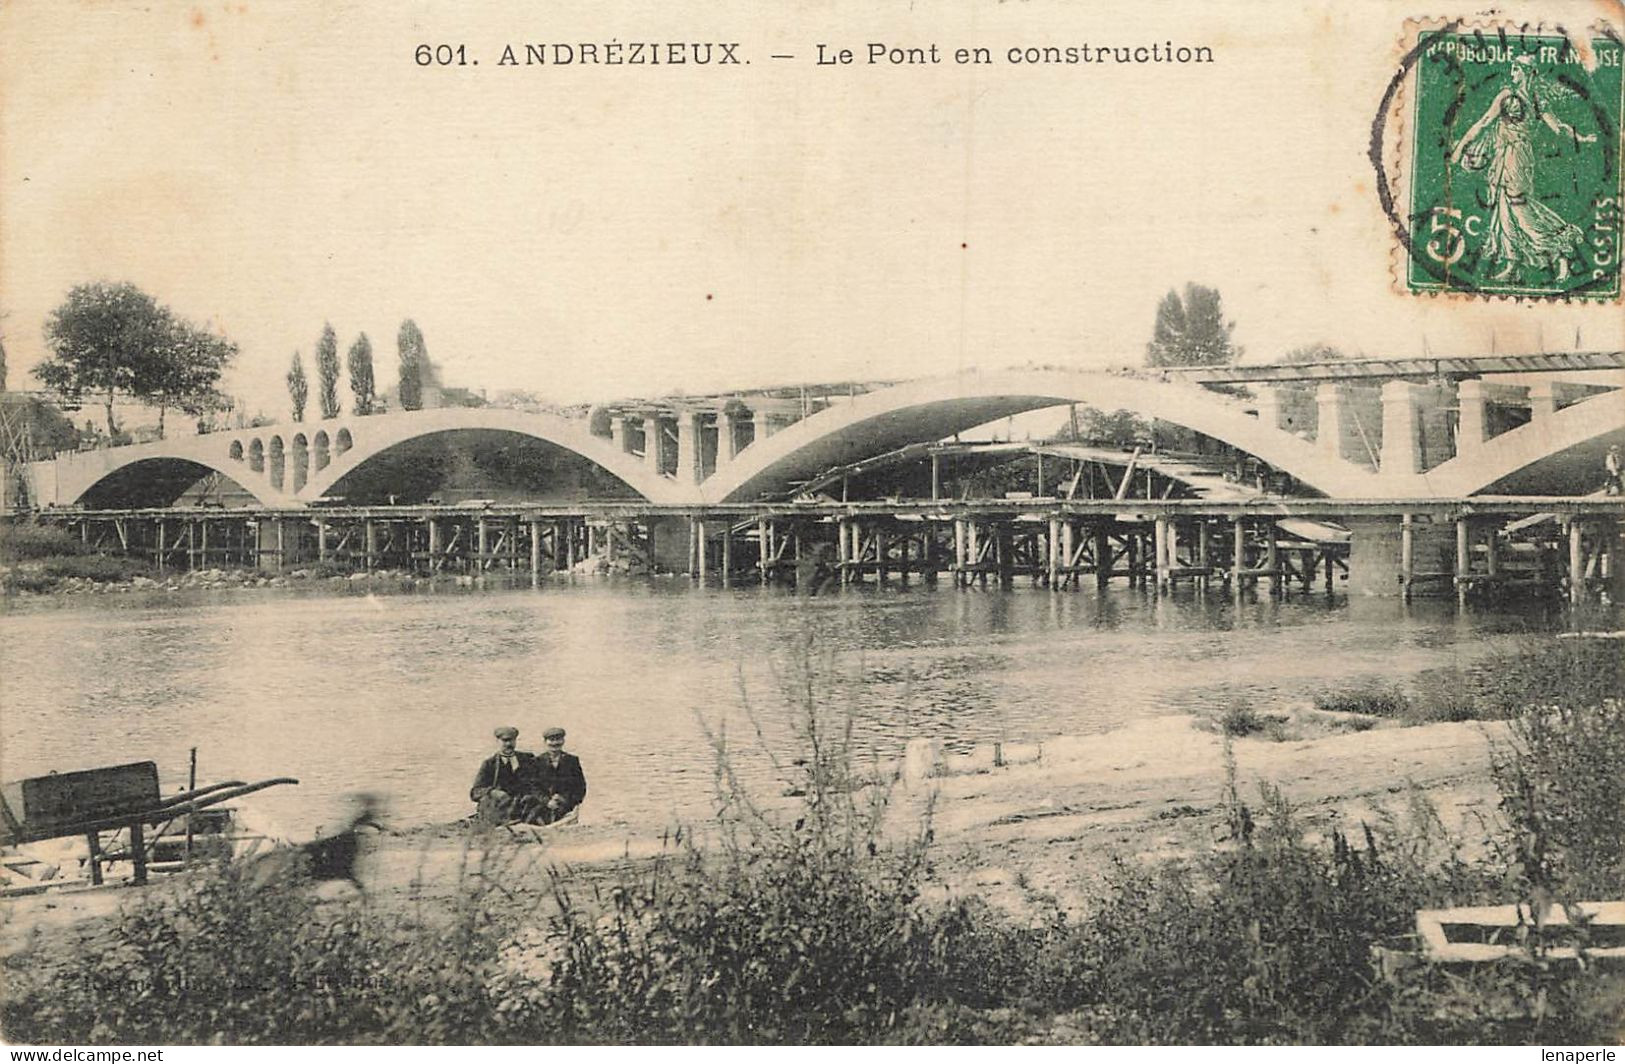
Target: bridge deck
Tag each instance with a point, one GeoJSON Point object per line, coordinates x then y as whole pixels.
{"type": "Point", "coordinates": [1384, 369]}
{"type": "Point", "coordinates": [1257, 506]}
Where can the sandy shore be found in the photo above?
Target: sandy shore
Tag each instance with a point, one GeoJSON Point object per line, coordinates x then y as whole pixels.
{"type": "Point", "coordinates": [1149, 791]}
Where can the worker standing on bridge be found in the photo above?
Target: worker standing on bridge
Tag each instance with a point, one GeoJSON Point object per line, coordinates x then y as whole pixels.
{"type": "Point", "coordinates": [1616, 472]}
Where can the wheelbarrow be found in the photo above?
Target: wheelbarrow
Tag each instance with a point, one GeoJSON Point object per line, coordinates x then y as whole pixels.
{"type": "Point", "coordinates": [120, 798]}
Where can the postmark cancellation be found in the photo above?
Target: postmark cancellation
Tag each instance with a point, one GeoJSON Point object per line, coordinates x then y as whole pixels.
{"type": "Point", "coordinates": [1502, 158]}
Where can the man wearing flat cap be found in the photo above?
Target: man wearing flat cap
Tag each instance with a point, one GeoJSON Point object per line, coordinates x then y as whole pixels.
{"type": "Point", "coordinates": [560, 782]}
{"type": "Point", "coordinates": [507, 785]}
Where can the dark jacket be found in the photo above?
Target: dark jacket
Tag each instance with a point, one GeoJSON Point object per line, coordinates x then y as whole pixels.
{"type": "Point", "coordinates": [494, 772]}
{"type": "Point", "coordinates": [567, 781]}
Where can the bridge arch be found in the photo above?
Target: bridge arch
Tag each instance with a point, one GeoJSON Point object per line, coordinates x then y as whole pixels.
{"type": "Point", "coordinates": [933, 409]}
{"type": "Point", "coordinates": [1558, 454]}
{"type": "Point", "coordinates": [370, 437]}
{"type": "Point", "coordinates": [158, 480]}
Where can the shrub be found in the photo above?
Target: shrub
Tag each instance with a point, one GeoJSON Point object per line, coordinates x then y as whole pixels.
{"type": "Point", "coordinates": [1267, 941]}
{"type": "Point", "coordinates": [23, 581]}
{"type": "Point", "coordinates": [1373, 698]}
{"type": "Point", "coordinates": [98, 567]}
{"type": "Point", "coordinates": [1241, 719]}
{"type": "Point", "coordinates": [1566, 673]}
{"type": "Point", "coordinates": [231, 958]}
{"type": "Point", "coordinates": [1563, 800]}
{"type": "Point", "coordinates": [25, 541]}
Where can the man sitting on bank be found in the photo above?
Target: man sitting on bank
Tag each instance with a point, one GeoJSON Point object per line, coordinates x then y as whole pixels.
{"type": "Point", "coordinates": [560, 781]}
{"type": "Point", "coordinates": [507, 787]}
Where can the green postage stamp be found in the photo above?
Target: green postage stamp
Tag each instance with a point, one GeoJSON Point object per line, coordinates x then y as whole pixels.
{"type": "Point", "coordinates": [1512, 157]}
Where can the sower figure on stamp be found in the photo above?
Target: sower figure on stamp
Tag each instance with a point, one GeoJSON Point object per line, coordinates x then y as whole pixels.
{"type": "Point", "coordinates": [560, 781]}
{"type": "Point", "coordinates": [506, 787]}
{"type": "Point", "coordinates": [1522, 231]}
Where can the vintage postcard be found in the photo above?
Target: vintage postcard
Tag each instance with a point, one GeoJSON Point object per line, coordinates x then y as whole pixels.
{"type": "Point", "coordinates": [1004, 522]}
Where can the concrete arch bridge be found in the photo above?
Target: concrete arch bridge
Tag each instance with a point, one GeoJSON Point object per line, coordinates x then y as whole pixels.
{"type": "Point", "coordinates": [1368, 436]}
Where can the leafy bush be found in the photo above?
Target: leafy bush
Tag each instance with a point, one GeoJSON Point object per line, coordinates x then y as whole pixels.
{"type": "Point", "coordinates": [17, 580]}
{"type": "Point", "coordinates": [1566, 673]}
{"type": "Point", "coordinates": [1373, 699]}
{"type": "Point", "coordinates": [98, 567]}
{"type": "Point", "coordinates": [800, 926]}
{"type": "Point", "coordinates": [1240, 719]}
{"type": "Point", "coordinates": [1563, 798]}
{"type": "Point", "coordinates": [25, 541]}
{"type": "Point", "coordinates": [235, 958]}
{"type": "Point", "coordinates": [1266, 941]}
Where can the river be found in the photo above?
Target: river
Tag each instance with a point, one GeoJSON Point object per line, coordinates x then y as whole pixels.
{"type": "Point", "coordinates": [397, 694]}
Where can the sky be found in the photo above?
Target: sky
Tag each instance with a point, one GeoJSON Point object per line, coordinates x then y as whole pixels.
{"type": "Point", "coordinates": [597, 232]}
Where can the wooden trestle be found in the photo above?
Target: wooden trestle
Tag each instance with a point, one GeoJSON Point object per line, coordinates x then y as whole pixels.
{"type": "Point", "coordinates": [1059, 544]}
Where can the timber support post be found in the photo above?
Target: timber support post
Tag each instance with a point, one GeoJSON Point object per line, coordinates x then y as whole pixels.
{"type": "Point", "coordinates": [1161, 550]}
{"type": "Point", "coordinates": [1464, 559]}
{"type": "Point", "coordinates": [1577, 579]}
{"type": "Point", "coordinates": [1272, 557]}
{"type": "Point", "coordinates": [1407, 556]}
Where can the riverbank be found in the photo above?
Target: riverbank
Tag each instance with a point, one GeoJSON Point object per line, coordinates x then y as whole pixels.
{"type": "Point", "coordinates": [1070, 899]}
{"type": "Point", "coordinates": [1152, 791]}
{"type": "Point", "coordinates": [99, 575]}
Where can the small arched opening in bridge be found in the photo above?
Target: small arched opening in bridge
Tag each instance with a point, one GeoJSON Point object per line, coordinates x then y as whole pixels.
{"type": "Point", "coordinates": [458, 465]}
{"type": "Point", "coordinates": [159, 482]}
{"type": "Point", "coordinates": [256, 455]}
{"type": "Point", "coordinates": [299, 455]}
{"type": "Point", "coordinates": [342, 442]}
{"type": "Point", "coordinates": [236, 450]}
{"type": "Point", "coordinates": [322, 452]}
{"type": "Point", "coordinates": [278, 463]}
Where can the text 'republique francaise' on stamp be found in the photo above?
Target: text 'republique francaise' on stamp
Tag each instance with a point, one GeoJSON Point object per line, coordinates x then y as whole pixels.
{"type": "Point", "coordinates": [1498, 157]}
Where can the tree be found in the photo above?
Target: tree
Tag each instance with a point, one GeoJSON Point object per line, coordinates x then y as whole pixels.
{"type": "Point", "coordinates": [327, 372]}
{"type": "Point", "coordinates": [298, 387]}
{"type": "Point", "coordinates": [359, 363]}
{"type": "Point", "coordinates": [1191, 331]}
{"type": "Point", "coordinates": [103, 340]}
{"type": "Point", "coordinates": [39, 429]}
{"type": "Point", "coordinates": [109, 340]}
{"type": "Point", "coordinates": [414, 357]}
{"type": "Point", "coordinates": [187, 372]}
{"type": "Point", "coordinates": [2, 366]}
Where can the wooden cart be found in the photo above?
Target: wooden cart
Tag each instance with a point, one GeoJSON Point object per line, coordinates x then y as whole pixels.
{"type": "Point", "coordinates": [122, 801]}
